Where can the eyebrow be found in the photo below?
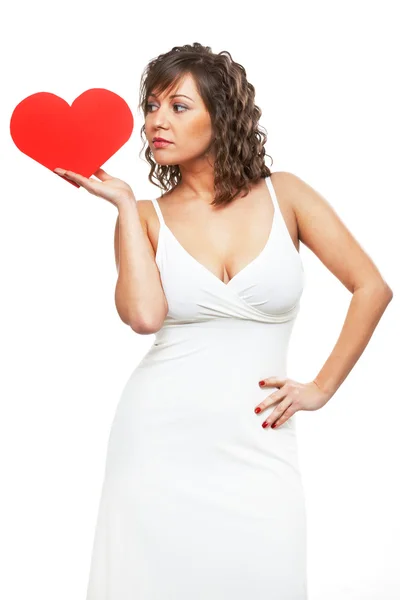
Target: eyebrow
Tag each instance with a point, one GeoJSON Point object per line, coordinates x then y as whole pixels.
{"type": "Point", "coordinates": [173, 96]}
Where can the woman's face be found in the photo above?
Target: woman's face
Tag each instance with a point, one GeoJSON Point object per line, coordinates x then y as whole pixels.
{"type": "Point", "coordinates": [182, 120]}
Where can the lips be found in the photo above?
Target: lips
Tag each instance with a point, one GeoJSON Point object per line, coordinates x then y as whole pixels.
{"type": "Point", "coordinates": [161, 140]}
{"type": "Point", "coordinates": [159, 144]}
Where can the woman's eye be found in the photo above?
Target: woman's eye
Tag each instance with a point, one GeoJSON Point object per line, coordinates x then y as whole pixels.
{"type": "Point", "coordinates": [148, 106]}
{"type": "Point", "coordinates": [181, 105]}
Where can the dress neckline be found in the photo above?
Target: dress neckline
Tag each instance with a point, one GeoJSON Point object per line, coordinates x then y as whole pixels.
{"type": "Point", "coordinates": [198, 263]}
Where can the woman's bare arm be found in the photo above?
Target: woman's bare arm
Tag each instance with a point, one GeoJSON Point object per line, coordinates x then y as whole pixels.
{"type": "Point", "coordinates": [325, 234]}
{"type": "Point", "coordinates": [139, 296]}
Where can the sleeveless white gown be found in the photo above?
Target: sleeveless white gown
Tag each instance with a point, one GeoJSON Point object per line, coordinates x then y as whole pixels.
{"type": "Point", "coordinates": [199, 501]}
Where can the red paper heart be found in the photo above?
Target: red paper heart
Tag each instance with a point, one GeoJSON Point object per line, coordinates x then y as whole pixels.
{"type": "Point", "coordinates": [80, 137]}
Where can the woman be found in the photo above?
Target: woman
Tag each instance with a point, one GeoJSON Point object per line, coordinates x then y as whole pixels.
{"type": "Point", "coordinates": [202, 496]}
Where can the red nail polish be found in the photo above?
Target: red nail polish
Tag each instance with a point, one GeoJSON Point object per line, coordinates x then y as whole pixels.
{"type": "Point", "coordinates": [257, 410]}
{"type": "Point", "coordinates": [265, 424]}
{"type": "Point", "coordinates": [273, 425]}
{"type": "Point", "coordinates": [261, 382]}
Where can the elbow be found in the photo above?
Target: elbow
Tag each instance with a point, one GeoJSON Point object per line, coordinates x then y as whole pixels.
{"type": "Point", "coordinates": [384, 293]}
{"type": "Point", "coordinates": [390, 293]}
{"type": "Point", "coordinates": [137, 324]}
{"type": "Point", "coordinates": [142, 321]}
{"type": "Point", "coordinates": [137, 321]}
{"type": "Point", "coordinates": [146, 326]}
{"type": "Point", "coordinates": [379, 288]}
{"type": "Point", "coordinates": [387, 291]}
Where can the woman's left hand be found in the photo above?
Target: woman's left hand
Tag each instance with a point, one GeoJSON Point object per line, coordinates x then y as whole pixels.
{"type": "Point", "coordinates": [293, 396]}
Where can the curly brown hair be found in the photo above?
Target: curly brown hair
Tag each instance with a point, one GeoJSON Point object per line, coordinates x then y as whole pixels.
{"type": "Point", "coordinates": [229, 98]}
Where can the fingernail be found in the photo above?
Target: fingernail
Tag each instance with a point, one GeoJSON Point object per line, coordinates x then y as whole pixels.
{"type": "Point", "coordinates": [273, 425]}
{"type": "Point", "coordinates": [265, 424]}
{"type": "Point", "coordinates": [261, 382]}
{"type": "Point", "coordinates": [257, 410]}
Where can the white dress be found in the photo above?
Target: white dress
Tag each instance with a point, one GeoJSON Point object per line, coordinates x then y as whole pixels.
{"type": "Point", "coordinates": [199, 501]}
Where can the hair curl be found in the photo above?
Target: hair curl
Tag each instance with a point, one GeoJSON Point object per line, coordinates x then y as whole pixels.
{"type": "Point", "coordinates": [229, 98]}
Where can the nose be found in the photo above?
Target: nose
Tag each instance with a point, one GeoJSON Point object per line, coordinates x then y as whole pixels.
{"type": "Point", "coordinates": [160, 120]}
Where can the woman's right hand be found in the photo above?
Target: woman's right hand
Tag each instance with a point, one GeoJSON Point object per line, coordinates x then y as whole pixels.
{"type": "Point", "coordinates": [110, 188]}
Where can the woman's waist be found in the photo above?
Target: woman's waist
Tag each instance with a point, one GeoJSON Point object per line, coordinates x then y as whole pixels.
{"type": "Point", "coordinates": [223, 331]}
{"type": "Point", "coordinates": [256, 348]}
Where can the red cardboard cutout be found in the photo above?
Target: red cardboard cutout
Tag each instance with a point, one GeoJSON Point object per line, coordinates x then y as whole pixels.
{"type": "Point", "coordinates": [78, 138]}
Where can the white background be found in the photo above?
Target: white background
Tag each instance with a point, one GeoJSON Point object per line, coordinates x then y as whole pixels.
{"type": "Point", "coordinates": [326, 79]}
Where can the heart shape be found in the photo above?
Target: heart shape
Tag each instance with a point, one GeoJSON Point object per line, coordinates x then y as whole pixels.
{"type": "Point", "coordinates": [80, 137]}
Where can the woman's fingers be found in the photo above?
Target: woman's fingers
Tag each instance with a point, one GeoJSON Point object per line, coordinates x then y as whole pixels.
{"type": "Point", "coordinates": [84, 181]}
{"type": "Point", "coordinates": [80, 179]}
{"type": "Point", "coordinates": [270, 400]}
{"type": "Point", "coordinates": [71, 175]}
{"type": "Point", "coordinates": [110, 188]}
{"type": "Point", "coordinates": [101, 174]}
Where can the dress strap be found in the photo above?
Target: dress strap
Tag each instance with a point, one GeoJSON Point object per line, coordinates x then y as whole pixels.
{"type": "Point", "coordinates": [273, 195]}
{"type": "Point", "coordinates": [158, 211]}
{"type": "Point", "coordinates": [271, 191]}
